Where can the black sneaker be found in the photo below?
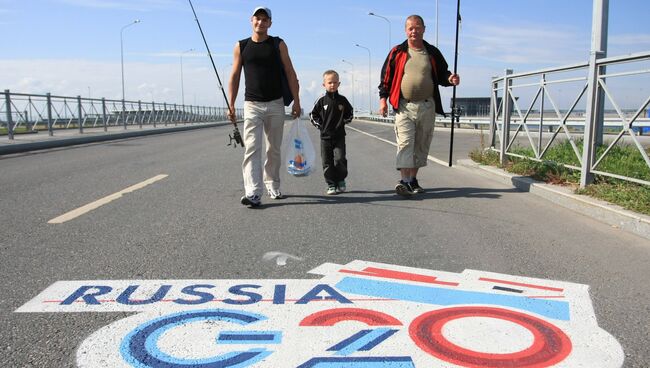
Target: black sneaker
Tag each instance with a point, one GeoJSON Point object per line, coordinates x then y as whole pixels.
{"type": "Point", "coordinates": [415, 187]}
{"type": "Point", "coordinates": [403, 189]}
{"type": "Point", "coordinates": [251, 201]}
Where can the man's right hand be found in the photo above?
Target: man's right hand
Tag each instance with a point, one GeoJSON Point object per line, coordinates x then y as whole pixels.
{"type": "Point", "coordinates": [231, 115]}
{"type": "Point", "coordinates": [383, 107]}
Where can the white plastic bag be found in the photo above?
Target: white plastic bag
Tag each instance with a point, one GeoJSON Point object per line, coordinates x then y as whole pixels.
{"type": "Point", "coordinates": [300, 150]}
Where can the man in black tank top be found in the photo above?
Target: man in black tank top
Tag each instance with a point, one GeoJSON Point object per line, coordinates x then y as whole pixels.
{"type": "Point", "coordinates": [266, 64]}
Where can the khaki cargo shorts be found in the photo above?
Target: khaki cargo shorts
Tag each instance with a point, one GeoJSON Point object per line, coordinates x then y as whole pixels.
{"type": "Point", "coordinates": [414, 124]}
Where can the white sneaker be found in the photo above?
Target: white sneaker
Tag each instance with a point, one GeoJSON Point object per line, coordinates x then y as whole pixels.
{"type": "Point", "coordinates": [275, 194]}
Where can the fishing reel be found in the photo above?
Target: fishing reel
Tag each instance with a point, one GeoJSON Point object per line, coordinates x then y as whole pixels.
{"type": "Point", "coordinates": [236, 137]}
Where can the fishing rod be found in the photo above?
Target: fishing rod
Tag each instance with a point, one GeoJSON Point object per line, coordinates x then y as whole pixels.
{"type": "Point", "coordinates": [454, 110]}
{"type": "Point", "coordinates": [235, 133]}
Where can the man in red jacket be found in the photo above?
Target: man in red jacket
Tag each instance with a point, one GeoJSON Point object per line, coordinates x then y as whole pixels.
{"type": "Point", "coordinates": [410, 78]}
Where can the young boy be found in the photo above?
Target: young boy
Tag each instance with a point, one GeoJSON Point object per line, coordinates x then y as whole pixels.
{"type": "Point", "coordinates": [330, 114]}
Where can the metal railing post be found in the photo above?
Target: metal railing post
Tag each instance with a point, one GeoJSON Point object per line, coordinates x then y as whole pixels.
{"type": "Point", "coordinates": [175, 113]}
{"type": "Point", "coordinates": [10, 125]}
{"type": "Point", "coordinates": [124, 114]}
{"type": "Point", "coordinates": [28, 125]}
{"type": "Point", "coordinates": [541, 114]}
{"type": "Point", "coordinates": [153, 112]}
{"type": "Point", "coordinates": [493, 113]}
{"type": "Point", "coordinates": [104, 120]}
{"type": "Point", "coordinates": [31, 115]}
{"type": "Point", "coordinates": [50, 130]}
{"type": "Point", "coordinates": [599, 34]}
{"type": "Point", "coordinates": [140, 113]}
{"type": "Point", "coordinates": [505, 128]}
{"type": "Point", "coordinates": [81, 128]}
{"type": "Point", "coordinates": [591, 121]}
{"type": "Point", "coordinates": [165, 113]}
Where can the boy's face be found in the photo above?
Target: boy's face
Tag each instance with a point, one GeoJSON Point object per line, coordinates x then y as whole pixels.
{"type": "Point", "coordinates": [331, 82]}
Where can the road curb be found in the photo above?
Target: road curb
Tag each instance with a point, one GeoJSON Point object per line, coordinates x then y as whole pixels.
{"type": "Point", "coordinates": [602, 211]}
{"type": "Point", "coordinates": [12, 148]}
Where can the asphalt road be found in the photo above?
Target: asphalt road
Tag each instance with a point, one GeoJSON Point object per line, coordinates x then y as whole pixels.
{"type": "Point", "coordinates": [190, 225]}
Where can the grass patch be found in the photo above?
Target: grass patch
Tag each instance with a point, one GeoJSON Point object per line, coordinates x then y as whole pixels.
{"type": "Point", "coordinates": [629, 196]}
{"type": "Point", "coordinates": [19, 130]}
{"type": "Point", "coordinates": [622, 160]}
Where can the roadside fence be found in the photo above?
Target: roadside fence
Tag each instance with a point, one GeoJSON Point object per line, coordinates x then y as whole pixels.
{"type": "Point", "coordinates": [21, 112]}
{"type": "Point", "coordinates": [595, 87]}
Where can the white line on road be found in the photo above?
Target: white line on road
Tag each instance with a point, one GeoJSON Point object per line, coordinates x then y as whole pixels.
{"type": "Point", "coordinates": [431, 158]}
{"type": "Point", "coordinates": [100, 202]}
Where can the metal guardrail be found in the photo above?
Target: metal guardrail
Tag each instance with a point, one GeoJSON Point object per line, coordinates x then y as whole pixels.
{"type": "Point", "coordinates": [594, 89]}
{"type": "Point", "coordinates": [33, 113]}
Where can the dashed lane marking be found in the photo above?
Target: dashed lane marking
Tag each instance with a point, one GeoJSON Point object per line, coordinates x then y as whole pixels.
{"type": "Point", "coordinates": [100, 202]}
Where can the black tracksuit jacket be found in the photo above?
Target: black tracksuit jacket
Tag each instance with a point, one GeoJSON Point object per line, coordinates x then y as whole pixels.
{"type": "Point", "coordinates": [330, 114]}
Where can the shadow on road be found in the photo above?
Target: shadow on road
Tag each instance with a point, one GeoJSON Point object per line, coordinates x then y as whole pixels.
{"type": "Point", "coordinates": [375, 197]}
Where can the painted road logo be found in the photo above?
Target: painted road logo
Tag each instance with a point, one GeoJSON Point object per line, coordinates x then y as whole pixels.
{"type": "Point", "coordinates": [357, 315]}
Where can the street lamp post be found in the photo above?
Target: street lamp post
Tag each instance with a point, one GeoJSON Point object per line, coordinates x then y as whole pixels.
{"type": "Point", "coordinates": [182, 87]}
{"type": "Point", "coordinates": [122, 52]}
{"type": "Point", "coordinates": [437, 23]}
{"type": "Point", "coordinates": [369, 89]}
{"type": "Point", "coordinates": [388, 21]}
{"type": "Point", "coordinates": [353, 90]}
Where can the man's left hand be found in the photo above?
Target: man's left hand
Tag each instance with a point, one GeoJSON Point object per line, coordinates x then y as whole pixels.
{"type": "Point", "coordinates": [454, 79]}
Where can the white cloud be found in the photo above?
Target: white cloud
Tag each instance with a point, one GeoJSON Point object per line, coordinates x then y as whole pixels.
{"type": "Point", "coordinates": [133, 5]}
{"type": "Point", "coordinates": [631, 39]}
{"type": "Point", "coordinates": [142, 80]}
{"type": "Point", "coordinates": [527, 44]}
{"type": "Point", "coordinates": [177, 54]}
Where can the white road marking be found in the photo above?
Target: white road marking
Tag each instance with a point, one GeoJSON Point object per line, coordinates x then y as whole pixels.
{"type": "Point", "coordinates": [100, 202]}
{"type": "Point", "coordinates": [439, 319]}
{"type": "Point", "coordinates": [431, 158]}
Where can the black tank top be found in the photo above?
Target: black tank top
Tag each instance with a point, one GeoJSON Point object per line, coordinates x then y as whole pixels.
{"type": "Point", "coordinates": [262, 65]}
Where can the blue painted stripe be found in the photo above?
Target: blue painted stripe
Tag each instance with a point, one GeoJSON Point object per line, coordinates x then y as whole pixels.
{"type": "Point", "coordinates": [249, 337]}
{"type": "Point", "coordinates": [349, 340]}
{"type": "Point", "coordinates": [441, 296]}
{"type": "Point", "coordinates": [378, 340]}
{"type": "Point", "coordinates": [140, 347]}
{"type": "Point", "coordinates": [361, 362]}
{"type": "Point", "coordinates": [372, 338]}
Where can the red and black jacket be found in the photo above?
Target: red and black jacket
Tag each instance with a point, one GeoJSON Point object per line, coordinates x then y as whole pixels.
{"type": "Point", "coordinates": [393, 70]}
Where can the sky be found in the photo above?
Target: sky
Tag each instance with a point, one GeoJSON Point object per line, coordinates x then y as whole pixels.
{"type": "Point", "coordinates": [72, 47]}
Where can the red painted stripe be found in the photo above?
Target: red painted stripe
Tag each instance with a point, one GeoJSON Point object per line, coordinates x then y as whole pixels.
{"type": "Point", "coordinates": [263, 300]}
{"type": "Point", "coordinates": [541, 287]}
{"type": "Point", "coordinates": [331, 317]}
{"type": "Point", "coordinates": [398, 275]}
